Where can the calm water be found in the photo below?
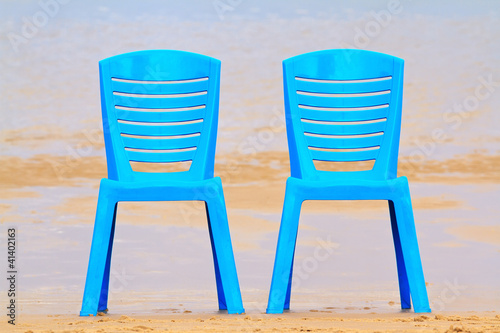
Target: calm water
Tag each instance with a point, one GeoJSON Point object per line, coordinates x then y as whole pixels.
{"type": "Point", "coordinates": [49, 80]}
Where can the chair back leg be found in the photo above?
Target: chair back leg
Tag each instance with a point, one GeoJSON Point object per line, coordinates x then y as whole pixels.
{"type": "Point", "coordinates": [404, 288]}
{"type": "Point", "coordinates": [289, 288]}
{"type": "Point", "coordinates": [220, 291]}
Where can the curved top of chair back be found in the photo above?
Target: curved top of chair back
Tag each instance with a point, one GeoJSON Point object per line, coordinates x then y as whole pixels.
{"type": "Point", "coordinates": [343, 106]}
{"type": "Point", "coordinates": [160, 106]}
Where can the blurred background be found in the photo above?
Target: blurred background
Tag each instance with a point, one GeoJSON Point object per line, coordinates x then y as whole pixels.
{"type": "Point", "coordinates": [52, 152]}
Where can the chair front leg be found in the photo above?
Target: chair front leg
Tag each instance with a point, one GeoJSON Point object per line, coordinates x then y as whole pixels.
{"type": "Point", "coordinates": [403, 213]}
{"type": "Point", "coordinates": [228, 287]}
{"type": "Point", "coordinates": [103, 300]}
{"type": "Point", "coordinates": [97, 282]}
{"type": "Point", "coordinates": [279, 294]}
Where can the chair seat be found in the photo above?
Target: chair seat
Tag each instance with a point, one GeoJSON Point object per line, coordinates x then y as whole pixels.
{"type": "Point", "coordinates": [201, 190]}
{"type": "Point", "coordinates": [351, 189]}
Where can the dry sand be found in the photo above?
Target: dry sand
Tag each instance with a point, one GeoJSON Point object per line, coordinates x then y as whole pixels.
{"type": "Point", "coordinates": [241, 170]}
{"type": "Point", "coordinates": [315, 321]}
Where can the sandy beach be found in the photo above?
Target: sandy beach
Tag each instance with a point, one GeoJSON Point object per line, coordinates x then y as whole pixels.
{"type": "Point", "coordinates": [162, 277]}
{"type": "Point", "coordinates": [356, 302]}
{"type": "Point", "coordinates": [314, 321]}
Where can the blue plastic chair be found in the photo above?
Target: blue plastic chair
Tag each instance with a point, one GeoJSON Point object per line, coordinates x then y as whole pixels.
{"type": "Point", "coordinates": [345, 106]}
{"type": "Point", "coordinates": [160, 106]}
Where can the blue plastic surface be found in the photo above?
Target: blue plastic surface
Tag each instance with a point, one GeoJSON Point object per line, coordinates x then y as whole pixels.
{"type": "Point", "coordinates": [343, 106]}
{"type": "Point", "coordinates": [160, 106]}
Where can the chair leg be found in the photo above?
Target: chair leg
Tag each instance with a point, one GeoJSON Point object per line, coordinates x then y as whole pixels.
{"type": "Point", "coordinates": [220, 290]}
{"type": "Point", "coordinates": [100, 254]}
{"type": "Point", "coordinates": [279, 295]}
{"type": "Point", "coordinates": [403, 212]}
{"type": "Point", "coordinates": [225, 267]}
{"type": "Point", "coordinates": [289, 288]}
{"type": "Point", "coordinates": [404, 288]}
{"type": "Point", "coordinates": [103, 300]}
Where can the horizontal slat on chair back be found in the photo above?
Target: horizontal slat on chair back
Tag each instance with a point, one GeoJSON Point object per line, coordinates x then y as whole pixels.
{"type": "Point", "coordinates": [340, 104]}
{"type": "Point", "coordinates": [344, 116]}
{"type": "Point", "coordinates": [160, 101]}
{"type": "Point", "coordinates": [150, 109]}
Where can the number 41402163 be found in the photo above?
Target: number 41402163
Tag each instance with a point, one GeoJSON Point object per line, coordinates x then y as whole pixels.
{"type": "Point", "coordinates": [11, 248]}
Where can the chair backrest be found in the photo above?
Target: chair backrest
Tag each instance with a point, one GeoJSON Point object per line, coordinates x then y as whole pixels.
{"type": "Point", "coordinates": [160, 106]}
{"type": "Point", "coordinates": [343, 106]}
